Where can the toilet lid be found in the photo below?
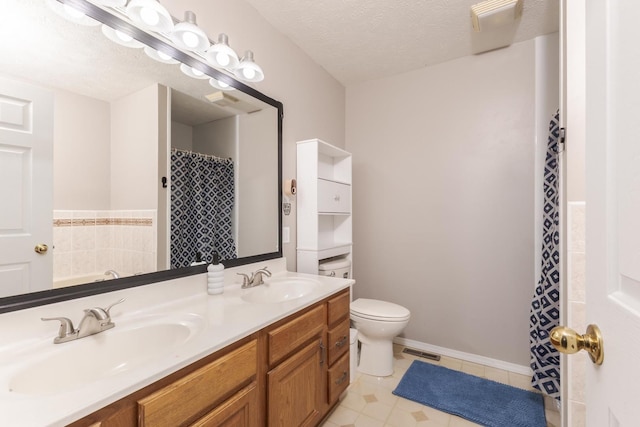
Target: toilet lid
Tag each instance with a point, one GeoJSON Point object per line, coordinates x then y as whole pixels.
{"type": "Point", "coordinates": [379, 310]}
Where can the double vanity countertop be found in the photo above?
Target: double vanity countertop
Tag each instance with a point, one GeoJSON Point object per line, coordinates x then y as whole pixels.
{"type": "Point", "coordinates": [160, 328]}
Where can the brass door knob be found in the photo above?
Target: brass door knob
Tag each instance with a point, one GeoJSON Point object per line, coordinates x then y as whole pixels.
{"type": "Point", "coordinates": [41, 248]}
{"type": "Point", "coordinates": [568, 341]}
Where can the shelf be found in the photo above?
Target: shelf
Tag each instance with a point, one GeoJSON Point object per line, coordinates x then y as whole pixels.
{"type": "Point", "coordinates": [328, 252]}
{"type": "Point", "coordinates": [324, 204]}
{"type": "Point", "coordinates": [337, 181]}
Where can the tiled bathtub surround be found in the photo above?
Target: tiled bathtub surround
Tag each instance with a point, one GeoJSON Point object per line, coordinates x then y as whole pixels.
{"type": "Point", "coordinates": [88, 243]}
{"type": "Point", "coordinates": [577, 364]}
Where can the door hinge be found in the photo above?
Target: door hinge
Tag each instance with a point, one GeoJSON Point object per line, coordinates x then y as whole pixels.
{"type": "Point", "coordinates": [562, 138]}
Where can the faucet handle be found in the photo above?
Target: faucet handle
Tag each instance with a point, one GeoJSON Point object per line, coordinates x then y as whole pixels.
{"type": "Point", "coordinates": [115, 303]}
{"type": "Point", "coordinates": [264, 270]}
{"type": "Point", "coordinates": [66, 326]}
{"type": "Point", "coordinates": [245, 279]}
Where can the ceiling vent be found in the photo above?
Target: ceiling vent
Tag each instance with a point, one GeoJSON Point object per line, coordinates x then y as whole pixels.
{"type": "Point", "coordinates": [222, 99]}
{"type": "Point", "coordinates": [494, 14]}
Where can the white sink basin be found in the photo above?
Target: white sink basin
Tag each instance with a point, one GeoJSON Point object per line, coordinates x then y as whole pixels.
{"type": "Point", "coordinates": [275, 290]}
{"type": "Point", "coordinates": [65, 366]}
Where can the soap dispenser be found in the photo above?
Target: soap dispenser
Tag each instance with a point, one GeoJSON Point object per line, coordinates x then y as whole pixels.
{"type": "Point", "coordinates": [215, 276]}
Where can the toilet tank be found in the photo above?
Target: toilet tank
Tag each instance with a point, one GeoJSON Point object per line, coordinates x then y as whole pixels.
{"type": "Point", "coordinates": [340, 268]}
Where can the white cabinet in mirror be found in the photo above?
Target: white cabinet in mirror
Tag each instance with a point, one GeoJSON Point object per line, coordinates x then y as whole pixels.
{"type": "Point", "coordinates": [111, 123]}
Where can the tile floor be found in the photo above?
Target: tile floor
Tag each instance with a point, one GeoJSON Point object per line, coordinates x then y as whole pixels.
{"type": "Point", "coordinates": [369, 402]}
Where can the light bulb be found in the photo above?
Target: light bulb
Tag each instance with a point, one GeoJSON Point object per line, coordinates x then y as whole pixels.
{"type": "Point", "coordinates": [223, 59]}
{"type": "Point", "coordinates": [74, 13]}
{"type": "Point", "coordinates": [190, 39]}
{"type": "Point", "coordinates": [164, 56]}
{"type": "Point", "coordinates": [249, 73]}
{"type": "Point", "coordinates": [197, 72]}
{"type": "Point", "coordinates": [149, 16]}
{"type": "Point", "coordinates": [222, 84]}
{"type": "Point", "coordinates": [122, 36]}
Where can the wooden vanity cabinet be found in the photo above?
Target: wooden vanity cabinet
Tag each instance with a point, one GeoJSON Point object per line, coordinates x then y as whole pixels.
{"type": "Point", "coordinates": [289, 374]}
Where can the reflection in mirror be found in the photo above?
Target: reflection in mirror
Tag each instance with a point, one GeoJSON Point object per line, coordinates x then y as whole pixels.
{"type": "Point", "coordinates": [90, 134]}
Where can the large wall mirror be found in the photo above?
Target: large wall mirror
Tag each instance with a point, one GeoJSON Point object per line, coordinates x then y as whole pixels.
{"type": "Point", "coordinates": [118, 170]}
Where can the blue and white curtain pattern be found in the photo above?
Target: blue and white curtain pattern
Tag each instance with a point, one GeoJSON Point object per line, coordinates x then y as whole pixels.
{"type": "Point", "coordinates": [545, 307]}
{"type": "Point", "coordinates": [202, 198]}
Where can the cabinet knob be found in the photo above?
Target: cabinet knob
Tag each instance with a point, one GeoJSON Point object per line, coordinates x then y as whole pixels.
{"type": "Point", "coordinates": [342, 378]}
{"type": "Point", "coordinates": [341, 342]}
{"type": "Point", "coordinates": [336, 197]}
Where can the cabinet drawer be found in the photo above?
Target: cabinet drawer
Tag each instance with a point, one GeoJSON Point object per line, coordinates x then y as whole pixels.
{"type": "Point", "coordinates": [338, 378]}
{"type": "Point", "coordinates": [333, 197]}
{"type": "Point", "coordinates": [338, 341]}
{"type": "Point", "coordinates": [338, 308]}
{"type": "Point", "coordinates": [193, 394]}
{"type": "Point", "coordinates": [288, 337]}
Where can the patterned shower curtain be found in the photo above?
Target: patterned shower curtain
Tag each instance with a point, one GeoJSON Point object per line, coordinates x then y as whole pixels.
{"type": "Point", "coordinates": [545, 307]}
{"type": "Point", "coordinates": [202, 198]}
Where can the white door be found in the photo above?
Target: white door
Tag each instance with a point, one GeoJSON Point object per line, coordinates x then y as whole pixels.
{"type": "Point", "coordinates": [26, 187]}
{"type": "Point", "coordinates": [613, 208]}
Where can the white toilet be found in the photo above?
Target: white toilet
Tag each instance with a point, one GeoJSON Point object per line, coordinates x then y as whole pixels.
{"type": "Point", "coordinates": [377, 322]}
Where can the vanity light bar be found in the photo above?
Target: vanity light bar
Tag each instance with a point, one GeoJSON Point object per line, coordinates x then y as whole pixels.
{"type": "Point", "coordinates": [245, 70]}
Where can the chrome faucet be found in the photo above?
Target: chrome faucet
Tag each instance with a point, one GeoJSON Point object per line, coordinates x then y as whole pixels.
{"type": "Point", "coordinates": [112, 273]}
{"type": "Point", "coordinates": [256, 278]}
{"type": "Point", "coordinates": [95, 320]}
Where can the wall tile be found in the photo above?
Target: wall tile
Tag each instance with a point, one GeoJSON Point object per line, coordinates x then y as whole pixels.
{"type": "Point", "coordinates": [578, 373]}
{"type": "Point", "coordinates": [62, 237]}
{"type": "Point", "coordinates": [576, 218]}
{"type": "Point", "coordinates": [576, 365]}
{"type": "Point", "coordinates": [576, 273]}
{"type": "Point", "coordinates": [96, 241]}
{"type": "Point", "coordinates": [577, 316]}
{"type": "Point", "coordinates": [577, 414]}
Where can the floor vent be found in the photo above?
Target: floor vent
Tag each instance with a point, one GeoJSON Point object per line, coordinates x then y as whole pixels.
{"type": "Point", "coordinates": [419, 353]}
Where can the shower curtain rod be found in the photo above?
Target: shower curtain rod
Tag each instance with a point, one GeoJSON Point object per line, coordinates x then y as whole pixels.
{"type": "Point", "coordinates": [206, 156]}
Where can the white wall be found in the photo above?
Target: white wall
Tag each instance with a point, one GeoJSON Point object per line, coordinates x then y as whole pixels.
{"type": "Point", "coordinates": [181, 136]}
{"type": "Point", "coordinates": [314, 102]}
{"type": "Point", "coordinates": [443, 199]}
{"type": "Point", "coordinates": [257, 177]}
{"type": "Point", "coordinates": [81, 152]}
{"type": "Point", "coordinates": [218, 138]}
{"type": "Point", "coordinates": [134, 150]}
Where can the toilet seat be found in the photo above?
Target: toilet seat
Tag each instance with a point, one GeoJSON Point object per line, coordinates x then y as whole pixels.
{"type": "Point", "coordinates": [379, 310]}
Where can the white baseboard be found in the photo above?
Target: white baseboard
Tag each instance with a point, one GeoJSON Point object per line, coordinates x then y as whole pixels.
{"type": "Point", "coordinates": [468, 357]}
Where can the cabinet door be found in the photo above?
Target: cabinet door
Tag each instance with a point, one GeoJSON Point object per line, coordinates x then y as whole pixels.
{"type": "Point", "coordinates": [295, 387]}
{"type": "Point", "coordinates": [239, 411]}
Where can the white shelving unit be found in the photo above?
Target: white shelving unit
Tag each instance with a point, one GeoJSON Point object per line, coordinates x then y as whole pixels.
{"type": "Point", "coordinates": [324, 204]}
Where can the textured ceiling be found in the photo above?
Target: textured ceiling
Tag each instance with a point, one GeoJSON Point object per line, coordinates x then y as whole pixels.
{"type": "Point", "coordinates": [363, 40]}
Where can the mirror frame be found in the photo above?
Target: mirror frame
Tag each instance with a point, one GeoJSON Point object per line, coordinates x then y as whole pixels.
{"type": "Point", "coordinates": [35, 299]}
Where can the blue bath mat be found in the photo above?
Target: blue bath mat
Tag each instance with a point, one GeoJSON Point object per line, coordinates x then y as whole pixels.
{"type": "Point", "coordinates": [477, 399]}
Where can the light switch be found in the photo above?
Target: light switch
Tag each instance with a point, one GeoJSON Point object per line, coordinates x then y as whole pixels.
{"type": "Point", "coordinates": [286, 237]}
